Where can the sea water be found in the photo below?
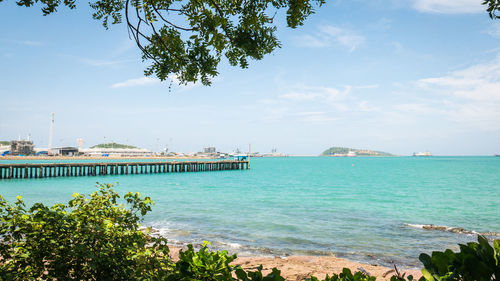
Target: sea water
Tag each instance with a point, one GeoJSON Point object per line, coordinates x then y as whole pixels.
{"type": "Point", "coordinates": [368, 209]}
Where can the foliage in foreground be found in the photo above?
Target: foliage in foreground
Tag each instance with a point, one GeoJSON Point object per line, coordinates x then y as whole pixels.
{"type": "Point", "coordinates": [92, 238]}
{"type": "Point", "coordinates": [346, 275]}
{"type": "Point", "coordinates": [475, 261]}
{"type": "Point", "coordinates": [97, 238]}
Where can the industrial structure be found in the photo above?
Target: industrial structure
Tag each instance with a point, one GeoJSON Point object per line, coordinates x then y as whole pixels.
{"type": "Point", "coordinates": [22, 147]}
{"type": "Point", "coordinates": [209, 150]}
{"type": "Point", "coordinates": [51, 132]}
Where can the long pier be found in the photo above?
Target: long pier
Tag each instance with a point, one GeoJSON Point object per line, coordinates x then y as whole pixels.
{"type": "Point", "coordinates": [49, 170]}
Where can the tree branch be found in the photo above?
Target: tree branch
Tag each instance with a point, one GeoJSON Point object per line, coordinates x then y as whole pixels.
{"type": "Point", "coordinates": [159, 14]}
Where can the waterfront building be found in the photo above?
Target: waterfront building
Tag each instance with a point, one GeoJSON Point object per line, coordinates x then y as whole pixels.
{"type": "Point", "coordinates": [116, 152]}
{"type": "Point", "coordinates": [64, 151]}
{"type": "Point", "coordinates": [22, 147]}
{"type": "Point", "coordinates": [209, 150]}
{"type": "Point", "coordinates": [4, 150]}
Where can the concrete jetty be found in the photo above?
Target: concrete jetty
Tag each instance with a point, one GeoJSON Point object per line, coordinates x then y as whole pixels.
{"type": "Point", "coordinates": [48, 170]}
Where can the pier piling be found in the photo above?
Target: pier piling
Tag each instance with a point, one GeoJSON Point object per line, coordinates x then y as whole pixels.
{"type": "Point", "coordinates": [46, 170]}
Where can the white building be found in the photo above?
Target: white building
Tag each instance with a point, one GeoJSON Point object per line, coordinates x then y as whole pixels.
{"type": "Point", "coordinates": [209, 150]}
{"type": "Point", "coordinates": [4, 148]}
{"type": "Point", "coordinates": [116, 152]}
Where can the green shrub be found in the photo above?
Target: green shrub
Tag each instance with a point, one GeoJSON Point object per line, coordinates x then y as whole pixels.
{"type": "Point", "coordinates": [96, 238]}
{"type": "Point", "coordinates": [215, 266]}
{"type": "Point", "coordinates": [203, 265]}
{"type": "Point", "coordinates": [475, 261]}
{"type": "Point", "coordinates": [274, 275]}
{"type": "Point", "coordinates": [88, 239]}
{"type": "Point", "coordinates": [347, 275]}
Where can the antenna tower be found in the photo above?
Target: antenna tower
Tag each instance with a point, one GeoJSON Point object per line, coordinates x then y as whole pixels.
{"type": "Point", "coordinates": [51, 132]}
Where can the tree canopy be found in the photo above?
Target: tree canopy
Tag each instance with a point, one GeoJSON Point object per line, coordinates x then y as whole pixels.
{"type": "Point", "coordinates": [113, 145]}
{"type": "Point", "coordinates": [186, 39]}
{"type": "Point", "coordinates": [493, 8]}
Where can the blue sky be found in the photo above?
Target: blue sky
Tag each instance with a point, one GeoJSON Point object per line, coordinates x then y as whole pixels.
{"type": "Point", "coordinates": [397, 76]}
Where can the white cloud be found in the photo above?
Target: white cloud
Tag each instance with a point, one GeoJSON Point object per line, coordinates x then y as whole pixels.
{"type": "Point", "coordinates": [328, 35]}
{"type": "Point", "coordinates": [300, 96]}
{"type": "Point", "coordinates": [311, 41]}
{"type": "Point", "coordinates": [471, 96]}
{"type": "Point", "coordinates": [481, 115]}
{"type": "Point", "coordinates": [449, 6]}
{"type": "Point", "coordinates": [494, 30]}
{"type": "Point", "coordinates": [31, 43]}
{"type": "Point", "coordinates": [314, 93]}
{"type": "Point", "coordinates": [381, 25]}
{"type": "Point", "coordinates": [274, 114]}
{"type": "Point", "coordinates": [268, 101]}
{"type": "Point", "coordinates": [316, 116]}
{"type": "Point", "coordinates": [303, 101]}
{"type": "Point", "coordinates": [143, 81]}
{"type": "Point", "coordinates": [419, 108]}
{"type": "Point", "coordinates": [319, 104]}
{"type": "Point", "coordinates": [373, 86]}
{"type": "Point", "coordinates": [311, 113]}
{"type": "Point", "coordinates": [346, 38]}
{"type": "Point", "coordinates": [398, 47]}
{"type": "Point", "coordinates": [367, 107]}
{"type": "Point", "coordinates": [147, 81]}
{"type": "Point", "coordinates": [479, 82]}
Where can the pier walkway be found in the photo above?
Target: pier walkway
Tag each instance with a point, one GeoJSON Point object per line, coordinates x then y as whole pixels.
{"type": "Point", "coordinates": [48, 170]}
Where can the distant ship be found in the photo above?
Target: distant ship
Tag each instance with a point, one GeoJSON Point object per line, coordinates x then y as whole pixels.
{"type": "Point", "coordinates": [427, 153]}
{"type": "Point", "coordinates": [497, 155]}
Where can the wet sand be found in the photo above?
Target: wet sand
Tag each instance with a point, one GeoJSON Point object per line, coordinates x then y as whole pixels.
{"type": "Point", "coordinates": [297, 268]}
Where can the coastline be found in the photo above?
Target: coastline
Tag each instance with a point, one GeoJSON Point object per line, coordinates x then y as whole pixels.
{"type": "Point", "coordinates": [293, 195]}
{"type": "Point", "coordinates": [99, 158]}
{"type": "Point", "coordinates": [298, 268]}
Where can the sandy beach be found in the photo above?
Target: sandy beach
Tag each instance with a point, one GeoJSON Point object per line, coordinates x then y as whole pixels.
{"type": "Point", "coordinates": [298, 268]}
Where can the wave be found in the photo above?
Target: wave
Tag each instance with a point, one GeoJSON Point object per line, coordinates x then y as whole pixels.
{"type": "Point", "coordinates": [231, 245]}
{"type": "Point", "coordinates": [459, 230]}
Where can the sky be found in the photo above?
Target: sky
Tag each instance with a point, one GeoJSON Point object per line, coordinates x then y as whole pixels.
{"type": "Point", "coordinates": [399, 76]}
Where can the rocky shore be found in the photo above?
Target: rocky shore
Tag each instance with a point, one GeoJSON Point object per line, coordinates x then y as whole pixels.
{"type": "Point", "coordinates": [298, 268]}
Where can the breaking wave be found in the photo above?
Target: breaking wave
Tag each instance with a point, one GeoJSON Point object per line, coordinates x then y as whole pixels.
{"type": "Point", "coordinates": [458, 230]}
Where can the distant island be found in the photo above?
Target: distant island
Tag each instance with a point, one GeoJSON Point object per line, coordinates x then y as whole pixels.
{"type": "Point", "coordinates": [112, 145]}
{"type": "Point", "coordinates": [4, 142]}
{"type": "Point", "coordinates": [346, 152]}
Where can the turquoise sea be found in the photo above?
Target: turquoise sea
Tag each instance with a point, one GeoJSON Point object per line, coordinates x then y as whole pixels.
{"type": "Point", "coordinates": [360, 208]}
